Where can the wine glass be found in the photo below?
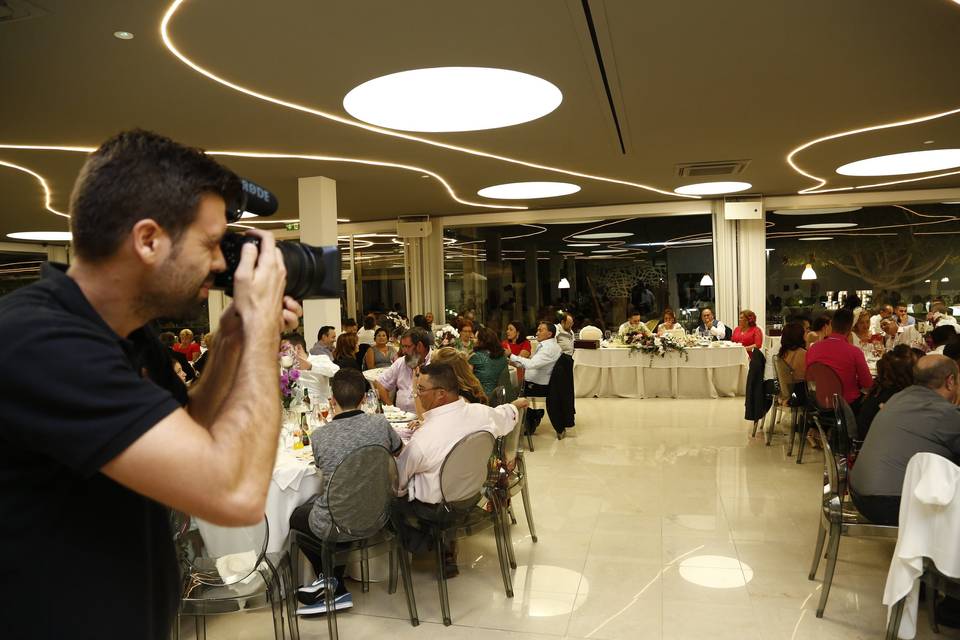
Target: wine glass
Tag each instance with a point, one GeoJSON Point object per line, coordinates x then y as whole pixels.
{"type": "Point", "coordinates": [324, 411]}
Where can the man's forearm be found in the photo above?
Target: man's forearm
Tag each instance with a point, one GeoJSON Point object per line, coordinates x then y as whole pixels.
{"type": "Point", "coordinates": [383, 393]}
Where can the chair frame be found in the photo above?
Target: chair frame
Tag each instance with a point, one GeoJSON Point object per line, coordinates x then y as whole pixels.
{"type": "Point", "coordinates": [838, 519]}
{"type": "Point", "coordinates": [798, 414]}
{"type": "Point", "coordinates": [515, 479]}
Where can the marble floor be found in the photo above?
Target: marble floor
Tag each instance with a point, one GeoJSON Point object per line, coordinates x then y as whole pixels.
{"type": "Point", "coordinates": [656, 518]}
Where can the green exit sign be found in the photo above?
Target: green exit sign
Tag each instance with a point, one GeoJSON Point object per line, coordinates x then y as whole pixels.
{"type": "Point", "coordinates": [293, 226]}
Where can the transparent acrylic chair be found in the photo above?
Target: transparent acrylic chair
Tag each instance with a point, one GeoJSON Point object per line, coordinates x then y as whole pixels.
{"type": "Point", "coordinates": [359, 496]}
{"type": "Point", "coordinates": [798, 413]}
{"type": "Point", "coordinates": [512, 479]}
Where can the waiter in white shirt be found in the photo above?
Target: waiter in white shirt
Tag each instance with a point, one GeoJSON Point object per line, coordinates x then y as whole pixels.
{"type": "Point", "coordinates": [538, 368]}
{"type": "Point", "coordinates": [315, 371]}
{"type": "Point", "coordinates": [886, 311]}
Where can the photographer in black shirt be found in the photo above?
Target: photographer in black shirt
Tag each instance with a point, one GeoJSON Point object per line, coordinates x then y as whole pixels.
{"type": "Point", "coordinates": [94, 449]}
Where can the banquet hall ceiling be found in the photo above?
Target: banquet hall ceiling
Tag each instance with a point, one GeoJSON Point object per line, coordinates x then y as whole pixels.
{"type": "Point", "coordinates": [689, 80]}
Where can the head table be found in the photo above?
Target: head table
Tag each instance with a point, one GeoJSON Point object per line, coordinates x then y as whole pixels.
{"type": "Point", "coordinates": [619, 372]}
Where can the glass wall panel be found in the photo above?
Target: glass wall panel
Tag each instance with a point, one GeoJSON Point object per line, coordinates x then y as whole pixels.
{"type": "Point", "coordinates": [19, 269]}
{"type": "Point", "coordinates": [378, 272]}
{"type": "Point", "coordinates": [503, 274]}
{"type": "Point", "coordinates": [901, 254]}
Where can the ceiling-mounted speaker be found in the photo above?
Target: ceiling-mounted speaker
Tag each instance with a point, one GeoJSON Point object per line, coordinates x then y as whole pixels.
{"type": "Point", "coordinates": [743, 208]}
{"type": "Point", "coordinates": [413, 226]}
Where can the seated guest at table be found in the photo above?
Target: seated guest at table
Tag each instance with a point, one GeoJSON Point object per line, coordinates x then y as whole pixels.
{"type": "Point", "coordinates": [380, 354]}
{"type": "Point", "coordinates": [941, 335]}
{"type": "Point", "coordinates": [470, 388]}
{"type": "Point", "coordinates": [169, 340]}
{"type": "Point", "coordinates": [516, 344]}
{"type": "Point", "coordinates": [894, 374]}
{"type": "Point", "coordinates": [365, 335]}
{"type": "Point", "coordinates": [819, 329]}
{"type": "Point", "coordinates": [467, 340]}
{"type": "Point", "coordinates": [748, 333]}
{"type": "Point", "coordinates": [538, 369]}
{"type": "Point", "coordinates": [846, 360]}
{"type": "Point", "coordinates": [201, 363]}
{"type": "Point", "coordinates": [447, 419]}
{"type": "Point", "coordinates": [345, 353]}
{"type": "Point", "coordinates": [792, 350]}
{"type": "Point", "coordinates": [634, 324]}
{"type": "Point", "coordinates": [895, 334]}
{"type": "Point", "coordinates": [938, 316]}
{"type": "Point", "coordinates": [415, 346]}
{"type": "Point", "coordinates": [710, 326]}
{"type": "Point", "coordinates": [921, 418]}
{"type": "Point", "coordinates": [488, 360]}
{"type": "Point", "coordinates": [177, 369]}
{"type": "Point", "coordinates": [349, 326]}
{"type": "Point", "coordinates": [421, 321]}
{"type": "Point", "coordinates": [428, 316]}
{"type": "Point", "coordinates": [565, 334]}
{"type": "Point", "coordinates": [860, 333]}
{"type": "Point", "coordinates": [669, 322]}
{"type": "Point", "coordinates": [326, 338]}
{"type": "Point", "coordinates": [886, 311]}
{"type": "Point", "coordinates": [349, 430]}
{"type": "Point", "coordinates": [187, 346]}
{"type": "Point", "coordinates": [315, 371]}
{"type": "Point", "coordinates": [904, 318]}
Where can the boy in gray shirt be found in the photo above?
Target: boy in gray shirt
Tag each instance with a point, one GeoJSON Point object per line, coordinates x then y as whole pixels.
{"type": "Point", "coordinates": [349, 430]}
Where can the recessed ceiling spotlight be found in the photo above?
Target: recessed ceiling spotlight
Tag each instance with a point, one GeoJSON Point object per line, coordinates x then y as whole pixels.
{"type": "Point", "coordinates": [607, 235]}
{"type": "Point", "coordinates": [584, 244]}
{"type": "Point", "coordinates": [814, 238]}
{"type": "Point", "coordinates": [712, 188]}
{"type": "Point", "coordinates": [45, 236]}
{"type": "Point", "coordinates": [827, 225]}
{"type": "Point", "coordinates": [528, 190]}
{"type": "Point", "coordinates": [814, 212]}
{"type": "Point", "coordinates": [452, 99]}
{"type": "Point", "coordinates": [123, 35]}
{"type": "Point", "coordinates": [902, 163]}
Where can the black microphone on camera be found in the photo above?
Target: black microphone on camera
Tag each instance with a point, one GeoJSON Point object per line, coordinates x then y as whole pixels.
{"type": "Point", "coordinates": [253, 199]}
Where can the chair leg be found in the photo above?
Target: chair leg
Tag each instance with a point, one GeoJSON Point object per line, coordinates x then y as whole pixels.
{"type": "Point", "coordinates": [272, 580]}
{"type": "Point", "coordinates": [530, 442]}
{"type": "Point", "coordinates": [200, 627]}
{"type": "Point", "coordinates": [527, 506]}
{"type": "Point", "coordinates": [364, 569]}
{"type": "Point", "coordinates": [753, 433]}
{"type": "Point", "coordinates": [896, 615]}
{"type": "Point", "coordinates": [802, 434]}
{"type": "Point", "coordinates": [773, 425]}
{"type": "Point", "coordinates": [833, 549]}
{"type": "Point", "coordinates": [506, 526]}
{"type": "Point", "coordinates": [930, 580]}
{"type": "Point", "coordinates": [440, 541]}
{"type": "Point", "coordinates": [394, 554]}
{"type": "Point", "coordinates": [290, 598]}
{"type": "Point", "coordinates": [503, 555]}
{"type": "Point", "coordinates": [818, 551]}
{"type": "Point", "coordinates": [793, 430]}
{"type": "Point", "coordinates": [326, 558]}
{"type": "Point", "coordinates": [408, 584]}
{"type": "Point", "coordinates": [513, 518]}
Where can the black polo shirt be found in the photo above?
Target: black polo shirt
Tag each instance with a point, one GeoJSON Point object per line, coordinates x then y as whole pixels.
{"type": "Point", "coordinates": [84, 556]}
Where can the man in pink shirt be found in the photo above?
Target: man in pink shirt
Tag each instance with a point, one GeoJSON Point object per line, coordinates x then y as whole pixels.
{"type": "Point", "coordinates": [846, 360]}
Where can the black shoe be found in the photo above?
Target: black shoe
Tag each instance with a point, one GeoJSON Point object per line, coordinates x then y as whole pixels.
{"type": "Point", "coordinates": [561, 434]}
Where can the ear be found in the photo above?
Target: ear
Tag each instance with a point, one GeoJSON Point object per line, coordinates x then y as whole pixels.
{"type": "Point", "coordinates": [150, 242]}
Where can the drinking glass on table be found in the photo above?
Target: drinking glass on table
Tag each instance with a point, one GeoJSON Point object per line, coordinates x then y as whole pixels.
{"type": "Point", "coordinates": [324, 411]}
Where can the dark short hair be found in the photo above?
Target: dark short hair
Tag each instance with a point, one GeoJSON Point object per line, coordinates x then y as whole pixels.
{"type": "Point", "coordinates": [952, 349]}
{"type": "Point", "coordinates": [295, 339]}
{"type": "Point", "coordinates": [168, 339]}
{"type": "Point", "coordinates": [895, 369]}
{"type": "Point", "coordinates": [552, 328]}
{"type": "Point", "coordinates": [521, 333]}
{"type": "Point", "coordinates": [323, 331]}
{"type": "Point", "coordinates": [488, 341]}
{"type": "Point", "coordinates": [442, 376]}
{"type": "Point", "coordinates": [369, 322]}
{"type": "Point", "coordinates": [842, 320]}
{"type": "Point", "coordinates": [350, 322]}
{"type": "Point", "coordinates": [419, 335]}
{"type": "Point", "coordinates": [820, 322]}
{"type": "Point", "coordinates": [420, 321]}
{"type": "Point", "coordinates": [942, 334]}
{"type": "Point", "coordinates": [379, 331]}
{"type": "Point", "coordinates": [932, 371]}
{"type": "Point", "coordinates": [137, 175]}
{"type": "Point", "coordinates": [348, 387]}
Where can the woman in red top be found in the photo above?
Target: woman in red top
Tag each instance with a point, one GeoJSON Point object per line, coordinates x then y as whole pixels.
{"type": "Point", "coordinates": [748, 333]}
{"type": "Point", "coordinates": [518, 345]}
{"type": "Point", "coordinates": [187, 346]}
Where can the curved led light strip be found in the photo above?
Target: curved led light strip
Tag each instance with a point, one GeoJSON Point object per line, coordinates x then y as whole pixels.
{"type": "Point", "coordinates": [168, 43]}
{"type": "Point", "coordinates": [527, 235]}
{"type": "Point", "coordinates": [889, 125]}
{"type": "Point", "coordinates": [43, 183]}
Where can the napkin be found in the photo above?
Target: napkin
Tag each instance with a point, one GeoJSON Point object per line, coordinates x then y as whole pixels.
{"type": "Point", "coordinates": [289, 471]}
{"type": "Point", "coordinates": [237, 568]}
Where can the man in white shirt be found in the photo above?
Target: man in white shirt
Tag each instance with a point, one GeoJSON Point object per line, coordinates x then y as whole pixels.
{"type": "Point", "coordinates": [894, 334]}
{"type": "Point", "coordinates": [903, 318]}
{"type": "Point", "coordinates": [565, 334]}
{"type": "Point", "coordinates": [634, 324]}
{"type": "Point", "coordinates": [315, 371]}
{"type": "Point", "coordinates": [447, 419]}
{"type": "Point", "coordinates": [538, 368]}
{"type": "Point", "coordinates": [938, 316]}
{"type": "Point", "coordinates": [710, 326]}
{"type": "Point", "coordinates": [399, 377]}
{"type": "Point", "coordinates": [886, 311]}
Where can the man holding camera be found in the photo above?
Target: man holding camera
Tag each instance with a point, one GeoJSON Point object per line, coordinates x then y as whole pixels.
{"type": "Point", "coordinates": [94, 454]}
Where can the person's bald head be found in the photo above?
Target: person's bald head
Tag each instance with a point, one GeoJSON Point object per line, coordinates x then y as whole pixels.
{"type": "Point", "coordinates": [938, 373]}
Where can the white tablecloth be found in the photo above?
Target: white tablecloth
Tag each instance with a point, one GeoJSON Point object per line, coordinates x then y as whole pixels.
{"type": "Point", "coordinates": [708, 372]}
{"type": "Point", "coordinates": [294, 482]}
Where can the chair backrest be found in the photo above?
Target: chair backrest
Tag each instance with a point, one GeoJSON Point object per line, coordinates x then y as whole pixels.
{"type": "Point", "coordinates": [465, 469]}
{"type": "Point", "coordinates": [511, 442]}
{"type": "Point", "coordinates": [497, 397]}
{"type": "Point", "coordinates": [784, 377]}
{"type": "Point", "coordinates": [847, 430]}
{"type": "Point", "coordinates": [360, 492]}
{"type": "Point", "coordinates": [831, 468]}
{"type": "Point", "coordinates": [361, 352]}
{"type": "Point", "coordinates": [823, 383]}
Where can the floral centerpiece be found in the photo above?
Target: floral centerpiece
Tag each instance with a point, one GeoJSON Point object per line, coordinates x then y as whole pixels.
{"type": "Point", "coordinates": [445, 336]}
{"type": "Point", "coordinates": [289, 376]}
{"type": "Point", "coordinates": [399, 322]}
{"type": "Point", "coordinates": [652, 345]}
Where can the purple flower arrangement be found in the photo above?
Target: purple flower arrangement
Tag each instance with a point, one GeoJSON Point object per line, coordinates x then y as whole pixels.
{"type": "Point", "coordinates": [288, 385]}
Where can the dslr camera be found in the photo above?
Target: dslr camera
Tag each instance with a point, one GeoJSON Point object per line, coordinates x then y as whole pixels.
{"type": "Point", "coordinates": [312, 272]}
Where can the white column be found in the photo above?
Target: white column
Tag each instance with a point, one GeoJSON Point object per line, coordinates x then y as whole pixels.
{"type": "Point", "coordinates": [725, 264]}
{"type": "Point", "coordinates": [217, 301]}
{"type": "Point", "coordinates": [423, 258]}
{"type": "Point", "coordinates": [58, 253]}
{"type": "Point", "coordinates": [739, 258]}
{"type": "Point", "coordinates": [751, 255]}
{"type": "Point", "coordinates": [318, 226]}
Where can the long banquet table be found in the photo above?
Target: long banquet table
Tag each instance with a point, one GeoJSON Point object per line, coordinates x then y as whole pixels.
{"type": "Point", "coordinates": [616, 372]}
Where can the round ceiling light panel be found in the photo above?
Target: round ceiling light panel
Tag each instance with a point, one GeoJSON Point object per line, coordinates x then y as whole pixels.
{"type": "Point", "coordinates": [42, 236]}
{"type": "Point", "coordinates": [827, 225]}
{"type": "Point", "coordinates": [898, 164]}
{"type": "Point", "coordinates": [442, 99]}
{"type": "Point", "coordinates": [814, 238]}
{"type": "Point", "coordinates": [712, 188]}
{"type": "Point", "coordinates": [528, 190]}
{"type": "Point", "coordinates": [815, 212]}
{"type": "Point", "coordinates": [611, 235]}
